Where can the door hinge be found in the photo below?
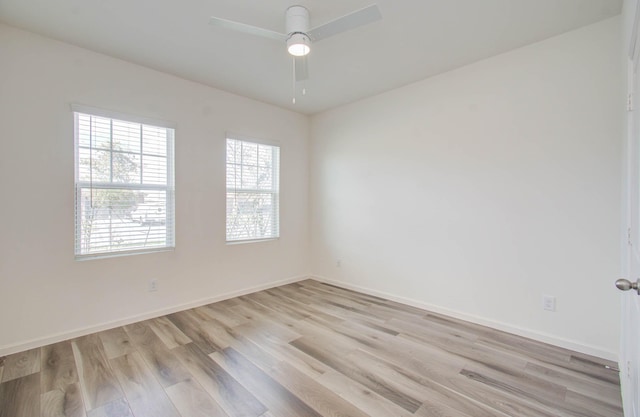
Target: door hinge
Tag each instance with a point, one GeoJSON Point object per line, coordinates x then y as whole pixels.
{"type": "Point", "coordinates": [629, 102]}
{"type": "Point", "coordinates": [629, 241]}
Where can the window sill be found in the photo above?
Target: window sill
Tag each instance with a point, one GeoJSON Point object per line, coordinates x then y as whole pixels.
{"type": "Point", "coordinates": [106, 255]}
{"type": "Point", "coordinates": [240, 242]}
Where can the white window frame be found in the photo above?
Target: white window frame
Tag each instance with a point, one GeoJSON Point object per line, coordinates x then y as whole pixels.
{"type": "Point", "coordinates": [169, 188]}
{"type": "Point", "coordinates": [274, 191]}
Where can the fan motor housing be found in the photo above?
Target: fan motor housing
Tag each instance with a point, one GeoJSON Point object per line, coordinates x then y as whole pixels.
{"type": "Point", "coordinates": [297, 20]}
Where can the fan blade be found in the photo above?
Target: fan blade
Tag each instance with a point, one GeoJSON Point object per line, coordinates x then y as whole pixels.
{"type": "Point", "coordinates": [342, 24]}
{"type": "Point", "coordinates": [302, 68]}
{"type": "Point", "coordinates": [244, 28]}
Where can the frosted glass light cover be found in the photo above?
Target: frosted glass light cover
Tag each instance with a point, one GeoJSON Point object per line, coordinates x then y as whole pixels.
{"type": "Point", "coordinates": [298, 44]}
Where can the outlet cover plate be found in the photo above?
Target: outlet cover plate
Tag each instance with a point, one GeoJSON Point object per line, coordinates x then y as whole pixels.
{"type": "Point", "coordinates": [549, 303]}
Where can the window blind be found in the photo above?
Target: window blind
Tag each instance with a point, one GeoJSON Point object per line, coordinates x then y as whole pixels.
{"type": "Point", "coordinates": [253, 171]}
{"type": "Point", "coordinates": [124, 186]}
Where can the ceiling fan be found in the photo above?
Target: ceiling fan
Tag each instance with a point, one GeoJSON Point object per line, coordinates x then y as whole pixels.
{"type": "Point", "coordinates": [299, 37]}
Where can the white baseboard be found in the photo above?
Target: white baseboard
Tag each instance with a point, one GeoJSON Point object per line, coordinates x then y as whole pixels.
{"type": "Point", "coordinates": [58, 337]}
{"type": "Point", "coordinates": [509, 328]}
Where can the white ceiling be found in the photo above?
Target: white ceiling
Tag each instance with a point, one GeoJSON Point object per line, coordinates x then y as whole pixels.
{"type": "Point", "coordinates": [414, 40]}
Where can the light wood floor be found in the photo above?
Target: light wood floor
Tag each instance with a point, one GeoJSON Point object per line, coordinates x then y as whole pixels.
{"type": "Point", "coordinates": [305, 349]}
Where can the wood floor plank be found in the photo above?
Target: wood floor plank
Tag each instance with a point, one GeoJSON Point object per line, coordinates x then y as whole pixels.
{"type": "Point", "coordinates": [441, 410]}
{"type": "Point", "coordinates": [344, 364]}
{"type": "Point", "coordinates": [362, 397]}
{"type": "Point", "coordinates": [193, 401]}
{"type": "Point", "coordinates": [430, 392]}
{"type": "Point", "coordinates": [292, 299]}
{"type": "Point", "coordinates": [218, 332]}
{"type": "Point", "coordinates": [170, 335]}
{"type": "Point", "coordinates": [412, 326]}
{"type": "Point", "coordinates": [315, 327]}
{"type": "Point", "coordinates": [268, 301]}
{"type": "Point", "coordinates": [521, 346]}
{"type": "Point", "coordinates": [97, 381]}
{"type": "Point", "coordinates": [21, 364]}
{"type": "Point", "coordinates": [516, 382]}
{"type": "Point", "coordinates": [144, 394]}
{"type": "Point", "coordinates": [462, 344]}
{"type": "Point", "coordinates": [593, 368]}
{"type": "Point", "coordinates": [332, 291]}
{"type": "Point", "coordinates": [268, 320]}
{"type": "Point", "coordinates": [591, 406]}
{"type": "Point", "coordinates": [20, 397]}
{"type": "Point", "coordinates": [221, 312]}
{"type": "Point", "coordinates": [385, 311]}
{"type": "Point", "coordinates": [63, 402]}
{"type": "Point", "coordinates": [58, 368]}
{"type": "Point", "coordinates": [421, 357]}
{"type": "Point", "coordinates": [166, 367]}
{"type": "Point", "coordinates": [314, 394]}
{"type": "Point", "coordinates": [116, 342]}
{"type": "Point", "coordinates": [296, 381]}
{"type": "Point", "coordinates": [234, 398]}
{"type": "Point", "coordinates": [428, 374]}
{"type": "Point", "coordinates": [577, 382]}
{"type": "Point", "coordinates": [431, 359]}
{"type": "Point", "coordinates": [507, 403]}
{"type": "Point", "coordinates": [438, 388]}
{"type": "Point", "coordinates": [190, 324]}
{"type": "Point", "coordinates": [268, 351]}
{"type": "Point", "coordinates": [499, 400]}
{"type": "Point", "coordinates": [246, 341]}
{"type": "Point", "coordinates": [117, 408]}
{"type": "Point", "coordinates": [521, 400]}
{"type": "Point", "coordinates": [274, 396]}
{"type": "Point", "coordinates": [345, 311]}
{"type": "Point", "coordinates": [260, 350]}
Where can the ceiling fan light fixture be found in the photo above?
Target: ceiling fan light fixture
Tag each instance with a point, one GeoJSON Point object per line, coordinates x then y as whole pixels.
{"type": "Point", "coordinates": [298, 44]}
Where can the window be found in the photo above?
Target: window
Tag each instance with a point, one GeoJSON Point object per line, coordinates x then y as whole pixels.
{"type": "Point", "coordinates": [253, 172]}
{"type": "Point", "coordinates": [124, 185]}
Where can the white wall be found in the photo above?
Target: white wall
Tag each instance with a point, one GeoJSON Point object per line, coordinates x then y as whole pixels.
{"type": "Point", "coordinates": [44, 293]}
{"type": "Point", "coordinates": [477, 191]}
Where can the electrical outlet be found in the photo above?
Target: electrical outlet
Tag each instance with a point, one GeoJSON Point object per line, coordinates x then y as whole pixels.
{"type": "Point", "coordinates": [153, 285]}
{"type": "Point", "coordinates": [549, 303]}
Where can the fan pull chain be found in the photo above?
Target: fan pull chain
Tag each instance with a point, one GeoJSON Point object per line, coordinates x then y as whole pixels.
{"type": "Point", "coordinates": [294, 81]}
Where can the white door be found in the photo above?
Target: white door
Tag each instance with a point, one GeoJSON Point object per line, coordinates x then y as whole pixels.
{"type": "Point", "coordinates": [630, 339]}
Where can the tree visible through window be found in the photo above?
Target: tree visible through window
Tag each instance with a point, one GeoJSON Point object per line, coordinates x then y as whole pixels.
{"type": "Point", "coordinates": [252, 190]}
{"type": "Point", "coordinates": [124, 186]}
